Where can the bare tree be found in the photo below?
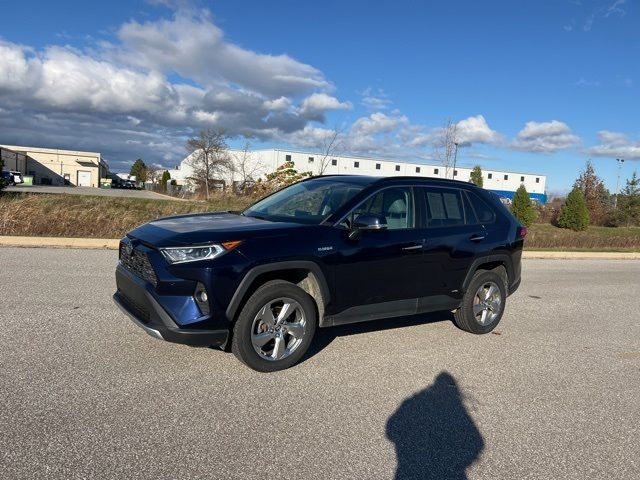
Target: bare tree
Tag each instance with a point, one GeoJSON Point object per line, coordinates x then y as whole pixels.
{"type": "Point", "coordinates": [330, 145]}
{"type": "Point", "coordinates": [247, 169]}
{"type": "Point", "coordinates": [209, 156]}
{"type": "Point", "coordinates": [444, 147]}
{"type": "Point", "coordinates": [153, 172]}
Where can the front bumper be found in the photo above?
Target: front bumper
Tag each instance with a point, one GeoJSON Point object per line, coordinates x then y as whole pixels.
{"type": "Point", "coordinates": [145, 311]}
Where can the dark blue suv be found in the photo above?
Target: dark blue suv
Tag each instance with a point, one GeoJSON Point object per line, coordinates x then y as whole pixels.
{"type": "Point", "coordinates": [326, 251]}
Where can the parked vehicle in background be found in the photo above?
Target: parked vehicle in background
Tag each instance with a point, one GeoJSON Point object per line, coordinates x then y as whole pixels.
{"type": "Point", "coordinates": [325, 251]}
{"type": "Point", "coordinates": [12, 177]}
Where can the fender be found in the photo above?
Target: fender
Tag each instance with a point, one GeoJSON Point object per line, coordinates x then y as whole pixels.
{"type": "Point", "coordinates": [252, 274]}
{"type": "Point", "coordinates": [498, 257]}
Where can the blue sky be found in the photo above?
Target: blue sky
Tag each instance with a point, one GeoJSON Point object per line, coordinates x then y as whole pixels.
{"type": "Point", "coordinates": [538, 86]}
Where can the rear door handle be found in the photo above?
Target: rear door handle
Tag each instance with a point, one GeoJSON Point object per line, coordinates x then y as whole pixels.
{"type": "Point", "coordinates": [476, 237]}
{"type": "Point", "coordinates": [412, 247]}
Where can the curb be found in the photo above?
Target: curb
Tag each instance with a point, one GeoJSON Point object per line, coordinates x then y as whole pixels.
{"type": "Point", "coordinates": [112, 244]}
{"type": "Point", "coordinates": [60, 242]}
{"type": "Point", "coordinates": [531, 254]}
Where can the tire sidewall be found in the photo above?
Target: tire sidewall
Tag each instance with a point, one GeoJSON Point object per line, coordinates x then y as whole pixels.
{"type": "Point", "coordinates": [241, 344]}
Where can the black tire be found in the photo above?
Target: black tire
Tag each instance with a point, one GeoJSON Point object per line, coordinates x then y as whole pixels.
{"type": "Point", "coordinates": [465, 317]}
{"type": "Point", "coordinates": [242, 345]}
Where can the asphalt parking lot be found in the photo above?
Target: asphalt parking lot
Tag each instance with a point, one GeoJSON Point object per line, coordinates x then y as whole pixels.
{"type": "Point", "coordinates": [100, 192]}
{"type": "Point", "coordinates": [554, 393]}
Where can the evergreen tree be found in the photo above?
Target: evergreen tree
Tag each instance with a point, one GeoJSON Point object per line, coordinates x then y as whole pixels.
{"type": "Point", "coordinates": [574, 213]}
{"type": "Point", "coordinates": [139, 170]}
{"type": "Point", "coordinates": [596, 195]}
{"type": "Point", "coordinates": [166, 176]}
{"type": "Point", "coordinates": [476, 176]}
{"type": "Point", "coordinates": [522, 208]}
{"type": "Point", "coordinates": [628, 211]}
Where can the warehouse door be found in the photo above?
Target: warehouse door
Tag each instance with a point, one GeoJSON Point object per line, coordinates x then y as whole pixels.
{"type": "Point", "coordinates": [84, 178]}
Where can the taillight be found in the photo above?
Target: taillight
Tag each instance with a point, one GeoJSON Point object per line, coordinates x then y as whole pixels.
{"type": "Point", "coordinates": [521, 232]}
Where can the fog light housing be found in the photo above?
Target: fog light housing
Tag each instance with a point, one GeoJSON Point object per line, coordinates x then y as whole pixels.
{"type": "Point", "coordinates": [202, 298]}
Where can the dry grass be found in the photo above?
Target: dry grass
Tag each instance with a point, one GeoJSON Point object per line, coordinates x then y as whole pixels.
{"type": "Point", "coordinates": [547, 237]}
{"type": "Point", "coordinates": [92, 217]}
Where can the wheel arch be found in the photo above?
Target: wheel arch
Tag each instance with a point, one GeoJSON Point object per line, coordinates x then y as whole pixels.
{"type": "Point", "coordinates": [500, 263]}
{"type": "Point", "coordinates": [305, 274]}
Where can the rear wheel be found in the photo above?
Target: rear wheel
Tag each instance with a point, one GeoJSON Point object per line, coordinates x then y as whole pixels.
{"type": "Point", "coordinates": [275, 327]}
{"type": "Point", "coordinates": [483, 303]}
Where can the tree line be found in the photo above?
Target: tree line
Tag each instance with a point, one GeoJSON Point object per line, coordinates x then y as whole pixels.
{"type": "Point", "coordinates": [588, 203]}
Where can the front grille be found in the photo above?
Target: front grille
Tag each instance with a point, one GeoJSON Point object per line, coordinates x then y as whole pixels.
{"type": "Point", "coordinates": [137, 263]}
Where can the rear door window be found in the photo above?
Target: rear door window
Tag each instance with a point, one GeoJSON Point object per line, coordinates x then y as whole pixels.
{"type": "Point", "coordinates": [444, 207]}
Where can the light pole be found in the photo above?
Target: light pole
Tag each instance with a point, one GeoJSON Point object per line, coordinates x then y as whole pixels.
{"type": "Point", "coordinates": [455, 159]}
{"type": "Point", "coordinates": [620, 161]}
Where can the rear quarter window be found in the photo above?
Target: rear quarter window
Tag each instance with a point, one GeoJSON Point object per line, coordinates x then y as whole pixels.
{"type": "Point", "coordinates": [484, 213]}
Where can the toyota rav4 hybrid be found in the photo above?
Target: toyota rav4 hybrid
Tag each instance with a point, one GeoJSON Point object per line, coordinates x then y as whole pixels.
{"type": "Point", "coordinates": [326, 251]}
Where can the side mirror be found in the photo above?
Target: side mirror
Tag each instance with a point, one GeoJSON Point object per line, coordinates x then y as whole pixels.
{"type": "Point", "coordinates": [367, 222]}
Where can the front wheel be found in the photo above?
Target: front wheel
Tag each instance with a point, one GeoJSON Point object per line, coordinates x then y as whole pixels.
{"type": "Point", "coordinates": [275, 327]}
{"type": "Point", "coordinates": [483, 303]}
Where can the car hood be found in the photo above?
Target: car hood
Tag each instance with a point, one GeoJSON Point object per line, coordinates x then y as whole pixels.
{"type": "Point", "coordinates": [205, 228]}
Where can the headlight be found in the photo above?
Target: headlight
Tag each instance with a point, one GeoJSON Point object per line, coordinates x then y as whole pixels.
{"type": "Point", "coordinates": [194, 254]}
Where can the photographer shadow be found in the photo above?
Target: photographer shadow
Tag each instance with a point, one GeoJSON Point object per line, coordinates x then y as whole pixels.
{"type": "Point", "coordinates": [433, 434]}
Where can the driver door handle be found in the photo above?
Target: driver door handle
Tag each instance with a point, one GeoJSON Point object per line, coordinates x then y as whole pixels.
{"type": "Point", "coordinates": [412, 247]}
{"type": "Point", "coordinates": [476, 237]}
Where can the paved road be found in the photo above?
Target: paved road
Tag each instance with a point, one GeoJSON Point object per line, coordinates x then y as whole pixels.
{"type": "Point", "coordinates": [100, 192]}
{"type": "Point", "coordinates": [555, 393]}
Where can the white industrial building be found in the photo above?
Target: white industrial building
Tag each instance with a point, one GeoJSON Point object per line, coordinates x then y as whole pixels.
{"type": "Point", "coordinates": [257, 163]}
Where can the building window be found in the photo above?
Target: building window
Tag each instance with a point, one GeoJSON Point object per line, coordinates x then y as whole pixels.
{"type": "Point", "coordinates": [417, 169]}
{"type": "Point", "coordinates": [397, 168]}
{"type": "Point", "coordinates": [455, 173]}
{"type": "Point", "coordinates": [490, 176]}
{"type": "Point", "coordinates": [506, 177]}
{"type": "Point", "coordinates": [356, 164]}
{"type": "Point", "coordinates": [522, 179]}
{"type": "Point", "coordinates": [377, 166]}
{"type": "Point", "coordinates": [334, 162]}
{"type": "Point", "coordinates": [287, 158]}
{"type": "Point", "coordinates": [310, 159]}
{"type": "Point", "coordinates": [537, 180]}
{"type": "Point", "coordinates": [435, 171]}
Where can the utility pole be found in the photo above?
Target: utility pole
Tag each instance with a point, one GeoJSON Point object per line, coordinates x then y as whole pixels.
{"type": "Point", "coordinates": [620, 161]}
{"type": "Point", "coordinates": [455, 158]}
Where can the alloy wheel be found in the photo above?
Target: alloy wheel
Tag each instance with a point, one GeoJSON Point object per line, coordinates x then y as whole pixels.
{"type": "Point", "coordinates": [278, 329]}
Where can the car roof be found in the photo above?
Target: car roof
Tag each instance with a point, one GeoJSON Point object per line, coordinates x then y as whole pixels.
{"type": "Point", "coordinates": [371, 180]}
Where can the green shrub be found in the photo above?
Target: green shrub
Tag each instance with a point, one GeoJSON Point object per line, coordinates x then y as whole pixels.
{"type": "Point", "coordinates": [522, 208]}
{"type": "Point", "coordinates": [574, 213]}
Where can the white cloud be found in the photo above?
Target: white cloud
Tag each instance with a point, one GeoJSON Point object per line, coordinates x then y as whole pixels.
{"type": "Point", "coordinates": [475, 130]}
{"type": "Point", "coordinates": [375, 100]}
{"type": "Point", "coordinates": [582, 82]}
{"type": "Point", "coordinates": [378, 123]}
{"type": "Point", "coordinates": [191, 45]}
{"type": "Point", "coordinates": [316, 104]}
{"type": "Point", "coordinates": [545, 137]}
{"type": "Point", "coordinates": [615, 145]}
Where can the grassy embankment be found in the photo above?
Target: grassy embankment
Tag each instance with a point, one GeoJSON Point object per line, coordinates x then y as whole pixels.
{"type": "Point", "coordinates": [92, 217]}
{"type": "Point", "coordinates": [111, 217]}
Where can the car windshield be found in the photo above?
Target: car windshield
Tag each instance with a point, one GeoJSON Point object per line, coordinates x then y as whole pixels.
{"type": "Point", "coordinates": [308, 202]}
